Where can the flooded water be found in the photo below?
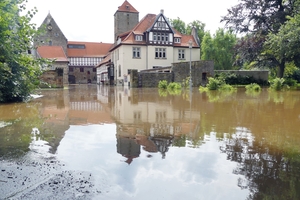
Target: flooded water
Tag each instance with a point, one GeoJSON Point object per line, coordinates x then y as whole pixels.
{"type": "Point", "coordinates": [151, 144]}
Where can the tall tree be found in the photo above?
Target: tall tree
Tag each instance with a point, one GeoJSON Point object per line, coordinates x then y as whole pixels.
{"type": "Point", "coordinates": [199, 27]}
{"type": "Point", "coordinates": [219, 49]}
{"type": "Point", "coordinates": [207, 47]}
{"type": "Point", "coordinates": [179, 25]}
{"type": "Point", "coordinates": [256, 19]}
{"type": "Point", "coordinates": [285, 44]}
{"type": "Point", "coordinates": [19, 71]}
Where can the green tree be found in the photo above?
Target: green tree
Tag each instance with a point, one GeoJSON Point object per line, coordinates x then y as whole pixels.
{"type": "Point", "coordinates": [19, 71]}
{"type": "Point", "coordinates": [200, 27]}
{"type": "Point", "coordinates": [179, 25]}
{"type": "Point", "coordinates": [285, 44]}
{"type": "Point", "coordinates": [219, 49]}
{"type": "Point", "coordinates": [257, 19]}
{"type": "Point", "coordinates": [207, 47]}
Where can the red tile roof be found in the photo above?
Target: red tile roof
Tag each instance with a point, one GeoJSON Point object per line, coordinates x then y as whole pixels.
{"type": "Point", "coordinates": [140, 28]}
{"type": "Point", "coordinates": [92, 49]}
{"type": "Point", "coordinates": [146, 23]}
{"type": "Point", "coordinates": [52, 52]}
{"type": "Point", "coordinates": [127, 7]}
{"type": "Point", "coordinates": [106, 60]}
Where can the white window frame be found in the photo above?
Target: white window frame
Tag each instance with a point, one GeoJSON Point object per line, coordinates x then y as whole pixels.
{"type": "Point", "coordinates": [136, 52]}
{"type": "Point", "coordinates": [138, 38]}
{"type": "Point", "coordinates": [181, 54]}
{"type": "Point", "coordinates": [176, 40]}
{"type": "Point", "coordinates": [160, 53]}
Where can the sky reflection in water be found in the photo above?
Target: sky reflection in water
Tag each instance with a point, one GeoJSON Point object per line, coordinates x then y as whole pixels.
{"type": "Point", "coordinates": [139, 144]}
{"type": "Point", "coordinates": [185, 173]}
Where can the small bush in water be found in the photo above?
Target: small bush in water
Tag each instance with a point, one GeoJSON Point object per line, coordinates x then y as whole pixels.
{"type": "Point", "coordinates": [174, 86]}
{"type": "Point", "coordinates": [277, 84]}
{"type": "Point", "coordinates": [253, 87]}
{"type": "Point", "coordinates": [213, 84]}
{"type": "Point", "coordinates": [163, 84]}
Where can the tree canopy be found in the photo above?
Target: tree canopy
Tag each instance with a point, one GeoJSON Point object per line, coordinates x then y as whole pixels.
{"type": "Point", "coordinates": [256, 19]}
{"type": "Point", "coordinates": [180, 26]}
{"type": "Point", "coordinates": [219, 49]}
{"type": "Point", "coordinates": [19, 71]}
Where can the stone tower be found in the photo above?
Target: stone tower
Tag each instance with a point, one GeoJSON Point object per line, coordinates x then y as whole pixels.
{"type": "Point", "coordinates": [51, 35]}
{"type": "Point", "coordinates": [126, 18]}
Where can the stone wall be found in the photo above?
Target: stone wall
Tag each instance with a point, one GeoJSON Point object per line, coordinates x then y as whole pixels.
{"type": "Point", "coordinates": [258, 75]}
{"type": "Point", "coordinates": [151, 79]}
{"type": "Point", "coordinates": [52, 78]}
{"type": "Point", "coordinates": [88, 75]}
{"type": "Point", "coordinates": [200, 71]}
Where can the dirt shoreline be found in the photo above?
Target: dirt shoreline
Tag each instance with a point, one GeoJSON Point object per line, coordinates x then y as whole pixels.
{"type": "Point", "coordinates": [44, 179]}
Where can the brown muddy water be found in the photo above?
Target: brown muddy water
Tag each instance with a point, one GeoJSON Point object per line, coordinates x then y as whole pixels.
{"type": "Point", "coordinates": [98, 142]}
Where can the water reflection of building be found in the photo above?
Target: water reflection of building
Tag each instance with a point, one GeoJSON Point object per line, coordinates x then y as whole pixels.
{"type": "Point", "coordinates": [62, 108]}
{"type": "Point", "coordinates": [150, 121]}
{"type": "Point", "coordinates": [128, 148]}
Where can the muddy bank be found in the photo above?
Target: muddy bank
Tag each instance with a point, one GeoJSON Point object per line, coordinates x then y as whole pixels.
{"type": "Point", "coordinates": [44, 179]}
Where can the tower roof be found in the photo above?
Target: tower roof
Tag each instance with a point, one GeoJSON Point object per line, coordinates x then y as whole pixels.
{"type": "Point", "coordinates": [127, 7]}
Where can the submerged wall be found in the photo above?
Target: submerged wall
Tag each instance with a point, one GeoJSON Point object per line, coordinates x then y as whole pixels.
{"type": "Point", "coordinates": [200, 71]}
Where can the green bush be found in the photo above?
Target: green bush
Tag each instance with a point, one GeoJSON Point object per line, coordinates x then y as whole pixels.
{"type": "Point", "coordinates": [233, 79]}
{"type": "Point", "coordinates": [253, 87]}
{"type": "Point", "coordinates": [174, 86]}
{"type": "Point", "coordinates": [163, 84]}
{"type": "Point", "coordinates": [226, 87]}
{"type": "Point", "coordinates": [213, 83]}
{"type": "Point", "coordinates": [186, 82]}
{"type": "Point", "coordinates": [277, 84]}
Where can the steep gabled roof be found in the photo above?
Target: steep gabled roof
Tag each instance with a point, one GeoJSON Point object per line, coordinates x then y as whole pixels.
{"type": "Point", "coordinates": [146, 25]}
{"type": "Point", "coordinates": [140, 28]}
{"type": "Point", "coordinates": [127, 7]}
{"type": "Point", "coordinates": [49, 20]}
{"type": "Point", "coordinates": [52, 52]}
{"type": "Point", "coordinates": [92, 49]}
{"type": "Point", "coordinates": [157, 17]}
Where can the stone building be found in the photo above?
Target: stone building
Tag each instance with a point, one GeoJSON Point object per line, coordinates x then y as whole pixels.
{"type": "Point", "coordinates": [125, 19]}
{"type": "Point", "coordinates": [55, 74]}
{"type": "Point", "coordinates": [81, 56]}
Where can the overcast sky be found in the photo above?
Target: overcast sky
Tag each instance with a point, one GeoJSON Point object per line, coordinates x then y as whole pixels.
{"type": "Point", "coordinates": [93, 20]}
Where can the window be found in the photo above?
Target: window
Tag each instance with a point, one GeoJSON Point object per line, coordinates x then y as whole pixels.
{"type": "Point", "coordinates": [71, 69]}
{"type": "Point", "coordinates": [94, 69]}
{"type": "Point", "coordinates": [119, 70]}
{"type": "Point", "coordinates": [177, 40]}
{"type": "Point", "coordinates": [76, 46]}
{"type": "Point", "coordinates": [81, 69]}
{"type": "Point", "coordinates": [50, 42]}
{"type": "Point", "coordinates": [181, 55]}
{"type": "Point", "coordinates": [136, 52]}
{"type": "Point", "coordinates": [161, 37]}
{"type": "Point", "coordinates": [139, 38]}
{"type": "Point", "coordinates": [160, 53]}
{"type": "Point", "coordinates": [204, 76]}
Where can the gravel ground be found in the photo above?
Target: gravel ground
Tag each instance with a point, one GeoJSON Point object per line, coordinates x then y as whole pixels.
{"type": "Point", "coordinates": [44, 179]}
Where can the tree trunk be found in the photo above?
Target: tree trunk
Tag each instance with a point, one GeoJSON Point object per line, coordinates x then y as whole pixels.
{"type": "Point", "coordinates": [281, 69]}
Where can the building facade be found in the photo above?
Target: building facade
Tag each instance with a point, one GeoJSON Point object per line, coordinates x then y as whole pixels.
{"type": "Point", "coordinates": [81, 56]}
{"type": "Point", "coordinates": [151, 43]}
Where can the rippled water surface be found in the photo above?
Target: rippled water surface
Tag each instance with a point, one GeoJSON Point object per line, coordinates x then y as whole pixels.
{"type": "Point", "coordinates": [151, 144]}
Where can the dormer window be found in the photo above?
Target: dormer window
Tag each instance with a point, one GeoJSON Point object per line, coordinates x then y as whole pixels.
{"type": "Point", "coordinates": [138, 38]}
{"type": "Point", "coordinates": [177, 40]}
